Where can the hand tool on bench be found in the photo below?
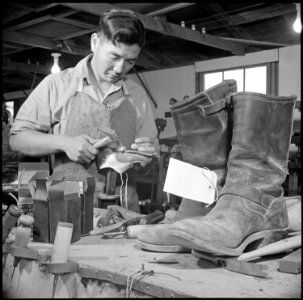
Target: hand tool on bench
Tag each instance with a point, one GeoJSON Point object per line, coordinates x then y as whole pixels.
{"type": "Point", "coordinates": [273, 248]}
{"type": "Point", "coordinates": [120, 227]}
{"type": "Point", "coordinates": [130, 232]}
{"type": "Point", "coordinates": [115, 214]}
{"type": "Point", "coordinates": [232, 264]}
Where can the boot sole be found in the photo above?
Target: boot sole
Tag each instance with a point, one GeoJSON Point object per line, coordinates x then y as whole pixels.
{"type": "Point", "coordinates": [163, 248]}
{"type": "Point", "coordinates": [254, 241]}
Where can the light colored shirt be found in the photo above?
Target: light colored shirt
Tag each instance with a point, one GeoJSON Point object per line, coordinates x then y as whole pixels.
{"type": "Point", "coordinates": [47, 106]}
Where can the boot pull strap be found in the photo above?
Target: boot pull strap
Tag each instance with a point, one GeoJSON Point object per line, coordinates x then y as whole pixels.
{"type": "Point", "coordinates": [207, 110]}
{"type": "Point", "coordinates": [247, 192]}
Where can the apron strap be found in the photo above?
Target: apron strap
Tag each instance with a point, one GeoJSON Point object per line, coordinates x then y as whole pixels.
{"type": "Point", "coordinates": [124, 88]}
{"type": "Point", "coordinates": [81, 85]}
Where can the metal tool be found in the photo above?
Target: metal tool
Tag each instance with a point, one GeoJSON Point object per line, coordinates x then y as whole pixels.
{"type": "Point", "coordinates": [111, 214]}
{"type": "Point", "coordinates": [232, 264]}
{"type": "Point", "coordinates": [152, 218]}
{"type": "Point", "coordinates": [130, 232]}
{"type": "Point", "coordinates": [115, 227]}
{"type": "Point", "coordinates": [148, 154]}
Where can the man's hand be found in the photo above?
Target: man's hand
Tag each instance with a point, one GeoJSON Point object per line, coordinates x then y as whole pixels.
{"type": "Point", "coordinates": [83, 148]}
{"type": "Point", "coordinates": [145, 144]}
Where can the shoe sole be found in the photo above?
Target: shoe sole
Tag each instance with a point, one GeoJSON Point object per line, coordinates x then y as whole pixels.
{"type": "Point", "coordinates": [163, 248]}
{"type": "Point", "coordinates": [254, 241]}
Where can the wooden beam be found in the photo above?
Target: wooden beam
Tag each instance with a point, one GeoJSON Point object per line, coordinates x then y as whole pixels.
{"type": "Point", "coordinates": [9, 65]}
{"type": "Point", "coordinates": [166, 28]}
{"type": "Point", "coordinates": [41, 42]}
{"type": "Point", "coordinates": [16, 51]}
{"type": "Point", "coordinates": [54, 18]}
{"type": "Point", "coordinates": [74, 23]}
{"type": "Point", "coordinates": [159, 57]}
{"type": "Point", "coordinates": [272, 11]}
{"type": "Point", "coordinates": [29, 23]}
{"type": "Point", "coordinates": [257, 43]}
{"type": "Point", "coordinates": [67, 13]}
{"type": "Point", "coordinates": [24, 10]}
{"type": "Point", "coordinates": [12, 46]}
{"type": "Point", "coordinates": [76, 34]}
{"type": "Point", "coordinates": [168, 9]}
{"type": "Point", "coordinates": [16, 95]}
{"type": "Point", "coordinates": [223, 17]}
{"type": "Point", "coordinates": [14, 16]}
{"type": "Point", "coordinates": [35, 9]}
{"type": "Point", "coordinates": [23, 82]}
{"type": "Point", "coordinates": [64, 46]}
{"type": "Point", "coordinates": [29, 40]}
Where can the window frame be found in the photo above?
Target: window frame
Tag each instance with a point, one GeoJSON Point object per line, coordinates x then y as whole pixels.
{"type": "Point", "coordinates": [271, 77]}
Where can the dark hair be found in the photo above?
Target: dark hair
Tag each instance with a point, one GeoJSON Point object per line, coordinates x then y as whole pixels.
{"type": "Point", "coordinates": [122, 26]}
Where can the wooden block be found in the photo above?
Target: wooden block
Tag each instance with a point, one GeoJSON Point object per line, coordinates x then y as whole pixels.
{"type": "Point", "coordinates": [291, 263]}
{"type": "Point", "coordinates": [65, 206]}
{"type": "Point", "coordinates": [41, 213]}
{"type": "Point", "coordinates": [87, 205]}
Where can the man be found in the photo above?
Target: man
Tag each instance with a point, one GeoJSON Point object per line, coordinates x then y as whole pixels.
{"type": "Point", "coordinates": [80, 104]}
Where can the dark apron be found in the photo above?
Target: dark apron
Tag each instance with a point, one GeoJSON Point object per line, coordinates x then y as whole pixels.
{"type": "Point", "coordinates": [88, 116]}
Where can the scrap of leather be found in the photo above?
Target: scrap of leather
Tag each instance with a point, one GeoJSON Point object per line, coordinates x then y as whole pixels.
{"type": "Point", "coordinates": [122, 161]}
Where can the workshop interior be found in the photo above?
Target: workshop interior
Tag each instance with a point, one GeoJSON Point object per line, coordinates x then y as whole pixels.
{"type": "Point", "coordinates": [219, 206]}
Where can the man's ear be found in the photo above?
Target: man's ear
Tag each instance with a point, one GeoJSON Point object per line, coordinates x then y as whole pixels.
{"type": "Point", "coordinates": [94, 41]}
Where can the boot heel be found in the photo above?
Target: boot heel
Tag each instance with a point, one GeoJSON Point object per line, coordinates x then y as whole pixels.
{"type": "Point", "coordinates": [270, 237]}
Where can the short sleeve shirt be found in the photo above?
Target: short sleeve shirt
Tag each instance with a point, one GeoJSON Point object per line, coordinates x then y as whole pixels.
{"type": "Point", "coordinates": [47, 106]}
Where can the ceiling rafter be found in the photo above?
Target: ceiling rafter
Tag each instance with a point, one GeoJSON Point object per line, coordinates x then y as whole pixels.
{"type": "Point", "coordinates": [36, 41]}
{"type": "Point", "coordinates": [262, 14]}
{"type": "Point", "coordinates": [75, 34]}
{"type": "Point", "coordinates": [41, 42]}
{"type": "Point", "coordinates": [74, 22]}
{"type": "Point", "coordinates": [19, 49]}
{"type": "Point", "coordinates": [27, 37]}
{"type": "Point", "coordinates": [14, 16]}
{"type": "Point", "coordinates": [9, 65]}
{"type": "Point", "coordinates": [25, 10]}
{"type": "Point", "coordinates": [29, 23]}
{"type": "Point", "coordinates": [223, 18]}
{"type": "Point", "coordinates": [58, 17]}
{"type": "Point", "coordinates": [166, 28]}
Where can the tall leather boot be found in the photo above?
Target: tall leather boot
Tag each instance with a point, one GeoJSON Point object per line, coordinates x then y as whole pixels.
{"type": "Point", "coordinates": [251, 207]}
{"type": "Point", "coordinates": [204, 137]}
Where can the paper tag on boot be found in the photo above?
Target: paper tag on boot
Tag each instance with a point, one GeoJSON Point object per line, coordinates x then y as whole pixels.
{"type": "Point", "coordinates": [191, 182]}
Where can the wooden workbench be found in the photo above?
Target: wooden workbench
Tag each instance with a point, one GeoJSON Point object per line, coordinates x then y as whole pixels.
{"type": "Point", "coordinates": [106, 264]}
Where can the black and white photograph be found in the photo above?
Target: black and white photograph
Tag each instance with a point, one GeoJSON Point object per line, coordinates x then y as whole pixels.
{"type": "Point", "coordinates": [151, 150]}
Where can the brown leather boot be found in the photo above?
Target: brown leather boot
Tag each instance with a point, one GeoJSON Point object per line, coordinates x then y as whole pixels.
{"type": "Point", "coordinates": [251, 207]}
{"type": "Point", "coordinates": [204, 137]}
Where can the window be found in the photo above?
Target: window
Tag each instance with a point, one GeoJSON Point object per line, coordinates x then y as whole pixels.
{"type": "Point", "coordinates": [250, 79]}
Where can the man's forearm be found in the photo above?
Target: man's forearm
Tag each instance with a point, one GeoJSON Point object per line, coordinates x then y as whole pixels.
{"type": "Point", "coordinates": [34, 143]}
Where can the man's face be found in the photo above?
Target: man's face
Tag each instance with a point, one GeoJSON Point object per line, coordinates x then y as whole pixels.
{"type": "Point", "coordinates": [110, 62]}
